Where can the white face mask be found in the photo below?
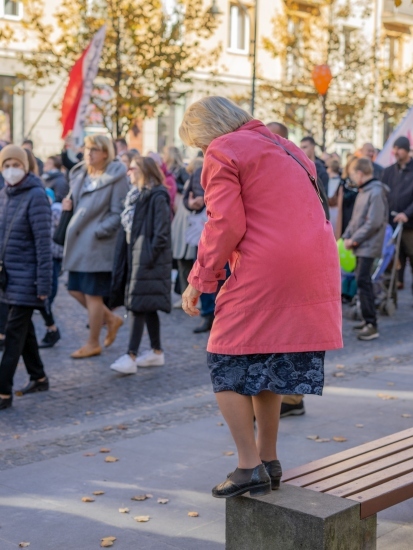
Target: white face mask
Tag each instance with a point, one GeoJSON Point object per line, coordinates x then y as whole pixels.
{"type": "Point", "coordinates": [13, 175]}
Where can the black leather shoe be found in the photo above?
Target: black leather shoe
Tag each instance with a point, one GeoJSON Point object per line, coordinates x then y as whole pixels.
{"type": "Point", "coordinates": [206, 325]}
{"type": "Point", "coordinates": [5, 402]}
{"type": "Point", "coordinates": [34, 386]}
{"type": "Point", "coordinates": [255, 481]}
{"type": "Point", "coordinates": [275, 472]}
{"type": "Point", "coordinates": [50, 339]}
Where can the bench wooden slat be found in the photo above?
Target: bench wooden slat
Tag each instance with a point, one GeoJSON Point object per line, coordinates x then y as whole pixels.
{"type": "Point", "coordinates": [345, 455]}
{"type": "Point", "coordinates": [350, 464]}
{"type": "Point", "coordinates": [372, 480]}
{"type": "Point", "coordinates": [362, 471]}
{"type": "Point", "coordinates": [383, 496]}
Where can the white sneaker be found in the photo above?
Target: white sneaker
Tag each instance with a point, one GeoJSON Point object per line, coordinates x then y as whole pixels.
{"type": "Point", "coordinates": [151, 359]}
{"type": "Point", "coordinates": [125, 365]}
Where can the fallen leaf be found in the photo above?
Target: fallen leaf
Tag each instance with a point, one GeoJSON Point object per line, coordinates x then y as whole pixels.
{"type": "Point", "coordinates": [89, 454]}
{"type": "Point", "coordinates": [98, 493]}
{"type": "Point", "coordinates": [24, 544]}
{"type": "Point", "coordinates": [89, 412]}
{"type": "Point", "coordinates": [359, 425]}
{"type": "Point", "coordinates": [340, 367]}
{"type": "Point", "coordinates": [88, 499]}
{"type": "Point", "coordinates": [163, 500]}
{"type": "Point", "coordinates": [124, 510]}
{"type": "Point", "coordinates": [312, 437]}
{"type": "Point", "coordinates": [339, 439]}
{"type": "Point", "coordinates": [339, 374]}
{"type": "Point", "coordinates": [16, 437]}
{"type": "Point", "coordinates": [406, 415]}
{"type": "Point", "coordinates": [377, 357]}
{"type": "Point", "coordinates": [122, 427]}
{"type": "Point", "coordinates": [104, 450]}
{"type": "Point", "coordinates": [229, 453]}
{"type": "Point", "coordinates": [385, 396]}
{"type": "Point", "coordinates": [322, 440]}
{"type": "Point", "coordinates": [111, 459]}
{"type": "Point", "coordinates": [142, 519]}
{"type": "Point", "coordinates": [139, 497]}
{"type": "Point", "coordinates": [149, 496]}
{"type": "Point", "coordinates": [220, 424]}
{"type": "Point", "coordinates": [106, 544]}
{"type": "Point", "coordinates": [193, 514]}
{"type": "Point", "coordinates": [110, 539]}
{"type": "Point", "coordinates": [107, 428]}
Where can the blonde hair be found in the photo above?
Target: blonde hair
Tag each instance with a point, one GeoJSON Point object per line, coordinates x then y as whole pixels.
{"type": "Point", "coordinates": [209, 118]}
{"type": "Point", "coordinates": [104, 144]}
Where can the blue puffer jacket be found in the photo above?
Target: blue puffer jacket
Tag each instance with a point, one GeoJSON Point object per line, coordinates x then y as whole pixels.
{"type": "Point", "coordinates": [28, 254]}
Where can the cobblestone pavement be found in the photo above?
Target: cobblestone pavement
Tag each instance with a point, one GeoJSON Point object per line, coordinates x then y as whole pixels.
{"type": "Point", "coordinates": [86, 396]}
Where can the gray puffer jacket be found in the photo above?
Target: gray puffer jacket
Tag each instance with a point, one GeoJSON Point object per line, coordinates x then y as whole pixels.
{"type": "Point", "coordinates": [367, 226]}
{"type": "Point", "coordinates": [28, 252]}
{"type": "Point", "coordinates": [91, 234]}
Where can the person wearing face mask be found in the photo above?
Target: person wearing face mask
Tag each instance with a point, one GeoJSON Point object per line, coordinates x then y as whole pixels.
{"type": "Point", "coordinates": [26, 275]}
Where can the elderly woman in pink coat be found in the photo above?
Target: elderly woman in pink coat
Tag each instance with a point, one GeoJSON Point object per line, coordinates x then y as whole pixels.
{"type": "Point", "coordinates": [280, 309]}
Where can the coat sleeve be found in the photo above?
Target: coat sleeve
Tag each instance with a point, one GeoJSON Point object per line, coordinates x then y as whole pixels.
{"type": "Point", "coordinates": [110, 224]}
{"type": "Point", "coordinates": [40, 219]}
{"type": "Point", "coordinates": [376, 216]}
{"type": "Point", "coordinates": [226, 223]}
{"type": "Point", "coordinates": [161, 226]}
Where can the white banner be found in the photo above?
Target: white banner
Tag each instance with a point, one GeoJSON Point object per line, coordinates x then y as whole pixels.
{"type": "Point", "coordinates": [385, 158]}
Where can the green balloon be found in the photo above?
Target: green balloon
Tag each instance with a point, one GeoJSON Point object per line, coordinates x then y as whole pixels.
{"type": "Point", "coordinates": [348, 260]}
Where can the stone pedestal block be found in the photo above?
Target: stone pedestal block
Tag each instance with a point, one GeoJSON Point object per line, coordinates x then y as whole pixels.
{"type": "Point", "coordinates": [293, 518]}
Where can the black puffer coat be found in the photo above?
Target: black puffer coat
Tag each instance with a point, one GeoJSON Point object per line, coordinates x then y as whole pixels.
{"type": "Point", "coordinates": [149, 255]}
{"type": "Point", "coordinates": [28, 254]}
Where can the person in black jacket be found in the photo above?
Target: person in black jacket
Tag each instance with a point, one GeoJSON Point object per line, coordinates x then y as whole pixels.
{"type": "Point", "coordinates": [54, 178]}
{"type": "Point", "coordinates": [399, 178]}
{"type": "Point", "coordinates": [146, 222]}
{"type": "Point", "coordinates": [26, 252]}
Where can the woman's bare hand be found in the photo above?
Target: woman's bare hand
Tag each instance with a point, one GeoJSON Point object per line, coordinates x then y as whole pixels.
{"type": "Point", "coordinates": [67, 205]}
{"type": "Point", "coordinates": [189, 301]}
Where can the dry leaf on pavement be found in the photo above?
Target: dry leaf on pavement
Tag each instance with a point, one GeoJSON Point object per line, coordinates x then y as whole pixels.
{"type": "Point", "coordinates": [339, 374]}
{"type": "Point", "coordinates": [24, 544]}
{"type": "Point", "coordinates": [139, 497]}
{"type": "Point", "coordinates": [104, 450]}
{"type": "Point", "coordinates": [111, 459]}
{"type": "Point", "coordinates": [124, 510]}
{"type": "Point", "coordinates": [107, 428]}
{"type": "Point", "coordinates": [98, 493]}
{"type": "Point", "coordinates": [122, 427]}
{"type": "Point", "coordinates": [406, 415]}
{"type": "Point", "coordinates": [359, 425]}
{"type": "Point", "coordinates": [106, 544]}
{"type": "Point", "coordinates": [142, 519]}
{"type": "Point", "coordinates": [110, 539]}
{"type": "Point", "coordinates": [385, 396]}
{"type": "Point", "coordinates": [313, 437]}
{"type": "Point", "coordinates": [229, 453]}
{"type": "Point", "coordinates": [193, 514]}
{"type": "Point", "coordinates": [88, 499]}
{"type": "Point", "coordinates": [339, 439]}
{"type": "Point", "coordinates": [163, 500]}
{"type": "Point", "coordinates": [340, 367]}
{"type": "Point", "coordinates": [148, 495]}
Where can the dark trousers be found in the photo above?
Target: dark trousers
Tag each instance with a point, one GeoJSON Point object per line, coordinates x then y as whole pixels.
{"type": "Point", "coordinates": [20, 341]}
{"type": "Point", "coordinates": [47, 311]}
{"type": "Point", "coordinates": [137, 325]}
{"type": "Point", "coordinates": [406, 251]}
{"type": "Point", "coordinates": [4, 313]}
{"type": "Point", "coordinates": [365, 286]}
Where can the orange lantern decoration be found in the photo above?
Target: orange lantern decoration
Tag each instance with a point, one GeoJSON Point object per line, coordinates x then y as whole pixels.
{"type": "Point", "coordinates": [322, 78]}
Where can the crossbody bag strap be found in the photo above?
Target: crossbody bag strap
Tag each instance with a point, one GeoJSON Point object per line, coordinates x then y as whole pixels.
{"type": "Point", "coordinates": [309, 174]}
{"type": "Point", "coordinates": [6, 239]}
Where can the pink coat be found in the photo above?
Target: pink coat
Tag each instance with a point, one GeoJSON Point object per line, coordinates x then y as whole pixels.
{"type": "Point", "coordinates": [284, 293]}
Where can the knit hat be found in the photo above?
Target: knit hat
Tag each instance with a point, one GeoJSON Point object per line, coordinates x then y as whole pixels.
{"type": "Point", "coordinates": [402, 143]}
{"type": "Point", "coordinates": [14, 152]}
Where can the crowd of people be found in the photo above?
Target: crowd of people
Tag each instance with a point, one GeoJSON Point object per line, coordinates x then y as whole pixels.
{"type": "Point", "coordinates": [129, 221]}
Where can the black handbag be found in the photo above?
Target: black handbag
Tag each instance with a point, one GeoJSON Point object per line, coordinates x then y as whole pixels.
{"type": "Point", "coordinates": [3, 272]}
{"type": "Point", "coordinates": [59, 235]}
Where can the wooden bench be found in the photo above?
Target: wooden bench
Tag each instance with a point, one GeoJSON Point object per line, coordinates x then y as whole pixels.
{"type": "Point", "coordinates": [327, 504]}
{"type": "Point", "coordinates": [378, 474]}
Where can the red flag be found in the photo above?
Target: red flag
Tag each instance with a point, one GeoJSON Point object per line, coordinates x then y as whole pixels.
{"type": "Point", "coordinates": [79, 88]}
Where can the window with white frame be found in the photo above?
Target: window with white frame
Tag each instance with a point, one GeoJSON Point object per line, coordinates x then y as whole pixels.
{"type": "Point", "coordinates": [239, 29]}
{"type": "Point", "coordinates": [393, 51]}
{"type": "Point", "coordinates": [11, 9]}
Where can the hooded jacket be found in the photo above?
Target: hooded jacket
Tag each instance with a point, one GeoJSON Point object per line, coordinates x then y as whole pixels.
{"type": "Point", "coordinates": [57, 181]}
{"type": "Point", "coordinates": [368, 222]}
{"type": "Point", "coordinates": [28, 252]}
{"type": "Point", "coordinates": [91, 234]}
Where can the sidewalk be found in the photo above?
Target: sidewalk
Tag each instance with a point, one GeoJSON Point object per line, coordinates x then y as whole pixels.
{"type": "Point", "coordinates": [41, 502]}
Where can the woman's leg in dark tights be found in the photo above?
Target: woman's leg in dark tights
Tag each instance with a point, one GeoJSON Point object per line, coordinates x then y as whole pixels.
{"type": "Point", "coordinates": [137, 325]}
{"type": "Point", "coordinates": [154, 330]}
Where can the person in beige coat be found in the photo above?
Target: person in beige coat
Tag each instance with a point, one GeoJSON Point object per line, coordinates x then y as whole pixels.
{"type": "Point", "coordinates": [98, 189]}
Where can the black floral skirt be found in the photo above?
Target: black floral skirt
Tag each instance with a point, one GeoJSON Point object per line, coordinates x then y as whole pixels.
{"type": "Point", "coordinates": [282, 373]}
